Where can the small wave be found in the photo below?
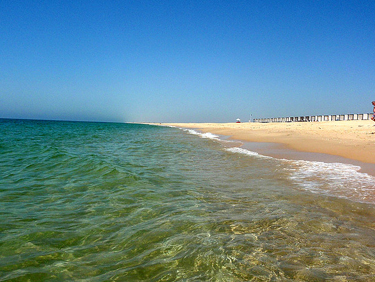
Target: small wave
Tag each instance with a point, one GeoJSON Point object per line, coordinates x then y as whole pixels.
{"type": "Point", "coordinates": [338, 179]}
{"type": "Point", "coordinates": [207, 135]}
{"type": "Point", "coordinates": [247, 152]}
{"type": "Point", "coordinates": [335, 179]}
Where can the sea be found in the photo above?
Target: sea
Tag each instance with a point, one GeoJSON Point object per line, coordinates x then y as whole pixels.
{"type": "Point", "coordinates": [83, 201]}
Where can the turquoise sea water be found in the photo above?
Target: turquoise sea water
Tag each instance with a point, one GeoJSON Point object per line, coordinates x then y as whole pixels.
{"type": "Point", "coordinates": [128, 202]}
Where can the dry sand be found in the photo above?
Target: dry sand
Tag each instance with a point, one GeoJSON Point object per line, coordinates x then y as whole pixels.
{"type": "Point", "coordinates": [353, 140]}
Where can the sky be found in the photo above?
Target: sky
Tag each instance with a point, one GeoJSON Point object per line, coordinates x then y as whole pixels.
{"type": "Point", "coordinates": [185, 61]}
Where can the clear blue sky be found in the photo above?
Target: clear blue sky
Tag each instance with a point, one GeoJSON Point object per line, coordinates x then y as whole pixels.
{"type": "Point", "coordinates": [185, 61]}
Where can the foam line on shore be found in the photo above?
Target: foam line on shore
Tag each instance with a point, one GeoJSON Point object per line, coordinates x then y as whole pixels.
{"type": "Point", "coordinates": [334, 179]}
{"type": "Point", "coordinates": [348, 139]}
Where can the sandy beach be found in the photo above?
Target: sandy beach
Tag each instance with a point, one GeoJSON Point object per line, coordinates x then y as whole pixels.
{"type": "Point", "coordinates": [353, 140]}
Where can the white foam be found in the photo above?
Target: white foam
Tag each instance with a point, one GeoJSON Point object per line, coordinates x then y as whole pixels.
{"type": "Point", "coordinates": [246, 152]}
{"type": "Point", "coordinates": [338, 179]}
{"type": "Point", "coordinates": [207, 135]}
{"type": "Point", "coordinates": [335, 179]}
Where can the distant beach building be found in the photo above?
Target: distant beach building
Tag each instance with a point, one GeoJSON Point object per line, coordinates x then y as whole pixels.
{"type": "Point", "coordinates": [318, 118]}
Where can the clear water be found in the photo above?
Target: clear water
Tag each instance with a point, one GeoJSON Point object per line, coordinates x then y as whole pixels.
{"type": "Point", "coordinates": [127, 202]}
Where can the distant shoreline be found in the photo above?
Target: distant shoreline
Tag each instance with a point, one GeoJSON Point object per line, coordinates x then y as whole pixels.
{"type": "Point", "coordinates": [354, 140]}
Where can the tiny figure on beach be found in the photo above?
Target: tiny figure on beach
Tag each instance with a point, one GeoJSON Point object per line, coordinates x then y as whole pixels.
{"type": "Point", "coordinates": [373, 116]}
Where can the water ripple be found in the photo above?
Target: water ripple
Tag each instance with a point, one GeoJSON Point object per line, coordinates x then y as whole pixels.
{"type": "Point", "coordinates": [103, 202]}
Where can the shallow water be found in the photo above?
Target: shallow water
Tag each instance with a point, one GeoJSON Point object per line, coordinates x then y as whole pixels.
{"type": "Point", "coordinates": [126, 202]}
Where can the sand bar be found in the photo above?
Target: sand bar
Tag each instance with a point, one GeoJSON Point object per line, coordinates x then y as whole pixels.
{"type": "Point", "coordinates": [353, 140]}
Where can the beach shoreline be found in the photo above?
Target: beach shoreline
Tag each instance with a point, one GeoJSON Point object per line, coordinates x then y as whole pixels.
{"type": "Point", "coordinates": [351, 140]}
